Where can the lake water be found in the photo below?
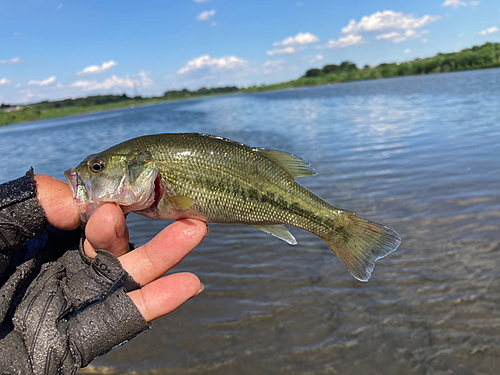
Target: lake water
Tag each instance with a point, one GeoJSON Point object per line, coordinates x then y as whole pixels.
{"type": "Point", "coordinates": [418, 154]}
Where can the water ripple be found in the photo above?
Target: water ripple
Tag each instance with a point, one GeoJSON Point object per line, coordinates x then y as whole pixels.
{"type": "Point", "coordinates": [419, 154]}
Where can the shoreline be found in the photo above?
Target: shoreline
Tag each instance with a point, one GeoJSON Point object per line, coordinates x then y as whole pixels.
{"type": "Point", "coordinates": [134, 103]}
{"type": "Point", "coordinates": [482, 57]}
{"type": "Point", "coordinates": [101, 108]}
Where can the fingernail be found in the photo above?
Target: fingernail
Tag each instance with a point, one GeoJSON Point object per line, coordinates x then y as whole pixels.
{"type": "Point", "coordinates": [202, 288]}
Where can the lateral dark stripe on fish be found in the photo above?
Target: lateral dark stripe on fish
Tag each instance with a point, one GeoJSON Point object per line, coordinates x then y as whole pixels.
{"type": "Point", "coordinates": [219, 180]}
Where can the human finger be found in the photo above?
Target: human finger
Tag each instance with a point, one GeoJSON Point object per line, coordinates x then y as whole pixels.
{"type": "Point", "coordinates": [57, 201]}
{"type": "Point", "coordinates": [106, 229]}
{"type": "Point", "coordinates": [163, 252]}
{"type": "Point", "coordinates": [164, 295]}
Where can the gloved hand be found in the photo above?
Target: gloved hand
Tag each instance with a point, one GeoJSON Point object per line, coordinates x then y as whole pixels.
{"type": "Point", "coordinates": [75, 309]}
{"type": "Point", "coordinates": [87, 301]}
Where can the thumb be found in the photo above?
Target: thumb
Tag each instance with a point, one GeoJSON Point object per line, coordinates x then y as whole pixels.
{"type": "Point", "coordinates": [57, 201]}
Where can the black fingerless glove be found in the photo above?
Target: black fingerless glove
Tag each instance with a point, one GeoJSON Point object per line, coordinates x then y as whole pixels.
{"type": "Point", "coordinates": [58, 308]}
{"type": "Point", "coordinates": [21, 218]}
{"type": "Point", "coordinates": [74, 310]}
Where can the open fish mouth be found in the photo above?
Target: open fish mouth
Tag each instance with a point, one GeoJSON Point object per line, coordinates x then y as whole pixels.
{"type": "Point", "coordinates": [72, 178]}
{"type": "Point", "coordinates": [89, 199]}
{"type": "Point", "coordinates": [81, 191]}
{"type": "Point", "coordinates": [81, 194]}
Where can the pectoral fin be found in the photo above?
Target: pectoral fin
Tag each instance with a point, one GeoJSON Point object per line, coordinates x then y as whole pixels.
{"type": "Point", "coordinates": [182, 203]}
{"type": "Point", "coordinates": [279, 231]}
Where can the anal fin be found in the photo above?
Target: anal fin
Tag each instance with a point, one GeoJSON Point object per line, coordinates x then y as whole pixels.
{"type": "Point", "coordinates": [280, 231]}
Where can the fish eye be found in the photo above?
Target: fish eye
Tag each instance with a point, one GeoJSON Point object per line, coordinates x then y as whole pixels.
{"type": "Point", "coordinates": [97, 166]}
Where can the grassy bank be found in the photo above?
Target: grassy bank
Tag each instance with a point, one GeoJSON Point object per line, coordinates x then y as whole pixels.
{"type": "Point", "coordinates": [68, 107]}
{"type": "Point", "coordinates": [477, 57]}
{"type": "Point", "coordinates": [34, 113]}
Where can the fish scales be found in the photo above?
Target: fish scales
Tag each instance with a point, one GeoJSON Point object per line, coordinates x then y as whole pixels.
{"type": "Point", "coordinates": [173, 176]}
{"type": "Point", "coordinates": [226, 186]}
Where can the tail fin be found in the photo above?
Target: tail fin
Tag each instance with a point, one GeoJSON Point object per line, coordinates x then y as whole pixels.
{"type": "Point", "coordinates": [359, 243]}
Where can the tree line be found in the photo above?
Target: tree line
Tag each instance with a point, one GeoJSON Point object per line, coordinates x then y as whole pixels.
{"type": "Point", "coordinates": [477, 57]}
{"type": "Point", "coordinates": [185, 93]}
{"type": "Point", "coordinates": [97, 100]}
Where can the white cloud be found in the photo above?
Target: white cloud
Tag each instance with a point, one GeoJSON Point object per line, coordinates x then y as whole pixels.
{"type": "Point", "coordinates": [205, 61]}
{"type": "Point", "coordinates": [14, 60]}
{"type": "Point", "coordinates": [205, 15]}
{"type": "Point", "coordinates": [396, 37]}
{"type": "Point", "coordinates": [313, 59]}
{"type": "Point", "coordinates": [407, 50]}
{"type": "Point", "coordinates": [94, 69]}
{"type": "Point", "coordinates": [490, 30]}
{"type": "Point", "coordinates": [146, 80]}
{"type": "Point", "coordinates": [283, 51]}
{"type": "Point", "coordinates": [4, 81]}
{"type": "Point", "coordinates": [454, 3]}
{"type": "Point", "coordinates": [45, 82]}
{"type": "Point", "coordinates": [214, 23]}
{"type": "Point", "coordinates": [272, 66]}
{"type": "Point", "coordinates": [300, 38]}
{"type": "Point", "coordinates": [390, 23]}
{"type": "Point", "coordinates": [390, 35]}
{"type": "Point", "coordinates": [109, 83]}
{"type": "Point", "coordinates": [346, 41]}
{"type": "Point", "coordinates": [410, 33]}
{"type": "Point", "coordinates": [293, 44]}
{"type": "Point", "coordinates": [59, 6]}
{"type": "Point", "coordinates": [387, 20]}
{"type": "Point", "coordinates": [26, 95]}
{"type": "Point", "coordinates": [242, 74]}
{"type": "Point", "coordinates": [201, 1]}
{"type": "Point", "coordinates": [459, 3]}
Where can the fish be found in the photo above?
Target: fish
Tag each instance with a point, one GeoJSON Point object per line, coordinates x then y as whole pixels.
{"type": "Point", "coordinates": [214, 179]}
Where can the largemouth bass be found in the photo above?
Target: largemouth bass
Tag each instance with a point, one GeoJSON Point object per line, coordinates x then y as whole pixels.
{"type": "Point", "coordinates": [174, 176]}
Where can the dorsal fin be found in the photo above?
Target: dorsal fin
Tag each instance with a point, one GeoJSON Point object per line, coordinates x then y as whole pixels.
{"type": "Point", "coordinates": [294, 165]}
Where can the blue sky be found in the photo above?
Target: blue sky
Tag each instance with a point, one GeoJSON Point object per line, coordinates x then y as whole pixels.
{"type": "Point", "coordinates": [59, 49]}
